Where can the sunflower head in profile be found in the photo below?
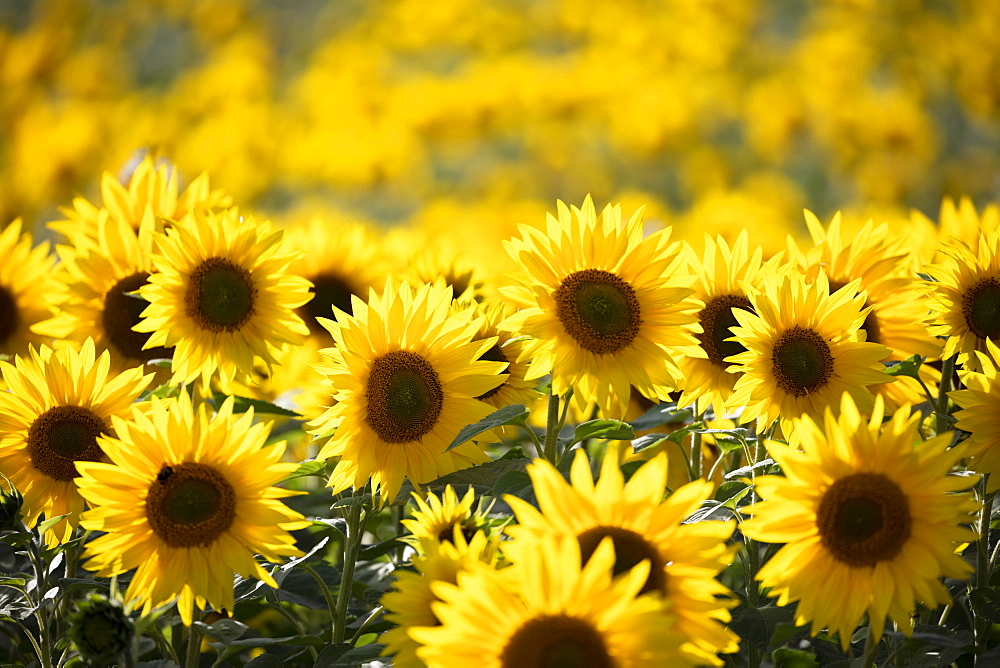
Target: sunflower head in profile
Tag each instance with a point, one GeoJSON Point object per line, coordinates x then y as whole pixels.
{"type": "Point", "coordinates": [58, 405]}
{"type": "Point", "coordinates": [803, 351]}
{"type": "Point", "coordinates": [223, 295]}
{"type": "Point", "coordinates": [101, 300]}
{"type": "Point", "coordinates": [342, 259]}
{"type": "Point", "coordinates": [605, 308]}
{"type": "Point", "coordinates": [409, 603]}
{"type": "Point", "coordinates": [404, 373]}
{"type": "Point", "coordinates": [187, 501]}
{"type": "Point", "coordinates": [721, 273]}
{"type": "Point", "coordinates": [28, 289]}
{"type": "Point", "coordinates": [149, 190]}
{"type": "Point", "coordinates": [551, 608]}
{"type": "Point", "coordinates": [854, 509]}
{"type": "Point", "coordinates": [979, 415]}
{"type": "Point", "coordinates": [684, 558]}
{"type": "Point", "coordinates": [965, 297]}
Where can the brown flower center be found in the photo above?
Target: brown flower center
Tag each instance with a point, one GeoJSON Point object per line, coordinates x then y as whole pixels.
{"type": "Point", "coordinates": [10, 315]}
{"type": "Point", "coordinates": [122, 309]}
{"type": "Point", "coordinates": [717, 321]}
{"type": "Point", "coordinates": [61, 436]}
{"type": "Point", "coordinates": [863, 519]}
{"type": "Point", "coordinates": [494, 354]}
{"type": "Point", "coordinates": [190, 505]}
{"type": "Point", "coordinates": [556, 641]}
{"type": "Point", "coordinates": [220, 296]}
{"type": "Point", "coordinates": [599, 310]}
{"type": "Point", "coordinates": [329, 290]}
{"type": "Point", "coordinates": [801, 361]}
{"type": "Point", "coordinates": [630, 549]}
{"type": "Point", "coordinates": [981, 308]}
{"type": "Point", "coordinates": [404, 397]}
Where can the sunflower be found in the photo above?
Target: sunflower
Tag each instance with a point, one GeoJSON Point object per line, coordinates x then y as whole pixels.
{"type": "Point", "coordinates": [58, 404]}
{"type": "Point", "coordinates": [965, 297]}
{"type": "Point", "coordinates": [605, 308]}
{"type": "Point", "coordinates": [187, 500]}
{"type": "Point", "coordinates": [869, 517]}
{"type": "Point", "coordinates": [550, 608]}
{"type": "Point", "coordinates": [222, 294]}
{"type": "Point", "coordinates": [979, 415]}
{"type": "Point", "coordinates": [27, 289]}
{"type": "Point", "coordinates": [720, 273]}
{"type": "Point", "coordinates": [409, 603]}
{"type": "Point", "coordinates": [684, 558]}
{"type": "Point", "coordinates": [432, 265]}
{"type": "Point", "coordinates": [100, 301]}
{"type": "Point", "coordinates": [515, 389]}
{"type": "Point", "coordinates": [883, 266]}
{"type": "Point", "coordinates": [341, 258]}
{"type": "Point", "coordinates": [439, 518]}
{"type": "Point", "coordinates": [151, 192]}
{"type": "Point", "coordinates": [405, 375]}
{"type": "Point", "coordinates": [803, 351]}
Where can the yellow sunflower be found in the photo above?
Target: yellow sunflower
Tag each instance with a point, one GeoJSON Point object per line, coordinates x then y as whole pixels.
{"type": "Point", "coordinates": [187, 501]}
{"type": "Point", "coordinates": [721, 272]}
{"type": "Point", "coordinates": [100, 301]}
{"type": "Point", "coordinates": [58, 405]}
{"type": "Point", "coordinates": [342, 259]}
{"type": "Point", "coordinates": [27, 289]}
{"type": "Point", "coordinates": [979, 415]}
{"type": "Point", "coordinates": [515, 389]}
{"type": "Point", "coordinates": [550, 608]}
{"type": "Point", "coordinates": [684, 558]}
{"type": "Point", "coordinates": [965, 297]}
{"type": "Point", "coordinates": [883, 266]}
{"type": "Point", "coordinates": [869, 517]}
{"type": "Point", "coordinates": [223, 295]}
{"type": "Point", "coordinates": [409, 603]}
{"type": "Point", "coordinates": [803, 351]}
{"type": "Point", "coordinates": [606, 309]}
{"type": "Point", "coordinates": [439, 518]}
{"type": "Point", "coordinates": [151, 192]}
{"type": "Point", "coordinates": [405, 375]}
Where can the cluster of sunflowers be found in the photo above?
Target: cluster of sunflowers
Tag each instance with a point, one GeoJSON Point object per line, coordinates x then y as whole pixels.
{"type": "Point", "coordinates": [816, 449]}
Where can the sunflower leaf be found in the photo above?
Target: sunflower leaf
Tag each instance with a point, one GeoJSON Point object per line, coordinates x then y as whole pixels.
{"type": "Point", "coordinates": [909, 367]}
{"type": "Point", "coordinates": [481, 478]}
{"type": "Point", "coordinates": [314, 467]}
{"type": "Point", "coordinates": [49, 523]}
{"type": "Point", "coordinates": [986, 604]}
{"type": "Point", "coordinates": [225, 630]}
{"type": "Point", "coordinates": [660, 415]}
{"type": "Point", "coordinates": [515, 483]}
{"type": "Point", "coordinates": [515, 414]}
{"type": "Point", "coordinates": [243, 404]}
{"type": "Point", "coordinates": [612, 430]}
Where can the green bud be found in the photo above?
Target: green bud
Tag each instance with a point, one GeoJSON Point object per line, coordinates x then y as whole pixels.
{"type": "Point", "coordinates": [10, 508]}
{"type": "Point", "coordinates": [100, 630]}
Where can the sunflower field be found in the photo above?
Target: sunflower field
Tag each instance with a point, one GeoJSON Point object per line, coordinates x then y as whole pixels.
{"type": "Point", "coordinates": [499, 333]}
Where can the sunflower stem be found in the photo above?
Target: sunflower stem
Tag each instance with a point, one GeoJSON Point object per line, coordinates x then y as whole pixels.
{"type": "Point", "coordinates": [941, 423]}
{"type": "Point", "coordinates": [193, 656]}
{"type": "Point", "coordinates": [982, 626]}
{"type": "Point", "coordinates": [330, 603]}
{"type": "Point", "coordinates": [352, 545]}
{"type": "Point", "coordinates": [552, 429]}
{"type": "Point", "coordinates": [871, 646]}
{"type": "Point", "coordinates": [696, 458]}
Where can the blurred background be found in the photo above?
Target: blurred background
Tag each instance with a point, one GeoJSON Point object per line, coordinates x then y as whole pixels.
{"type": "Point", "coordinates": [463, 115]}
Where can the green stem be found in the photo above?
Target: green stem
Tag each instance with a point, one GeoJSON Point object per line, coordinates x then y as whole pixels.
{"type": "Point", "coordinates": [361, 630]}
{"type": "Point", "coordinates": [982, 626]}
{"type": "Point", "coordinates": [941, 408]}
{"type": "Point", "coordinates": [534, 439]}
{"type": "Point", "coordinates": [552, 430]}
{"type": "Point", "coordinates": [42, 583]}
{"type": "Point", "coordinates": [330, 604]}
{"type": "Point", "coordinates": [352, 545]}
{"type": "Point", "coordinates": [193, 656]}
{"type": "Point", "coordinates": [695, 455]}
{"type": "Point", "coordinates": [31, 638]}
{"type": "Point", "coordinates": [871, 646]}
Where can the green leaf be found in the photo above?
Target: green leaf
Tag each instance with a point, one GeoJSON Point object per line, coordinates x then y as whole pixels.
{"type": "Point", "coordinates": [758, 625]}
{"type": "Point", "coordinates": [264, 661]}
{"type": "Point", "coordinates": [515, 483]}
{"type": "Point", "coordinates": [613, 430]}
{"type": "Point", "coordinates": [792, 658]}
{"type": "Point", "coordinates": [312, 467]}
{"type": "Point", "coordinates": [516, 414]}
{"type": "Point", "coordinates": [731, 492]}
{"type": "Point", "coordinates": [660, 415]}
{"type": "Point", "coordinates": [481, 478]}
{"type": "Point", "coordinates": [243, 404]}
{"type": "Point", "coordinates": [378, 549]}
{"type": "Point", "coordinates": [909, 367]}
{"type": "Point", "coordinates": [13, 583]}
{"type": "Point", "coordinates": [49, 523]}
{"type": "Point", "coordinates": [224, 631]}
{"type": "Point", "coordinates": [744, 471]}
{"type": "Point", "coordinates": [357, 656]}
{"type": "Point", "coordinates": [647, 441]}
{"type": "Point", "coordinates": [986, 604]}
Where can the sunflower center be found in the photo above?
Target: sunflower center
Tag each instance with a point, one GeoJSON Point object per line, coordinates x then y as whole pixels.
{"type": "Point", "coordinates": [801, 361]}
{"type": "Point", "coordinates": [190, 505]}
{"type": "Point", "coordinates": [556, 641]}
{"type": "Point", "coordinates": [494, 354]}
{"type": "Point", "coordinates": [221, 295]}
{"type": "Point", "coordinates": [404, 397]}
{"type": "Point", "coordinates": [863, 519]}
{"type": "Point", "coordinates": [329, 290]}
{"type": "Point", "coordinates": [630, 549]}
{"type": "Point", "coordinates": [61, 436]}
{"type": "Point", "coordinates": [981, 308]}
{"type": "Point", "coordinates": [599, 310]}
{"type": "Point", "coordinates": [716, 320]}
{"type": "Point", "coordinates": [10, 316]}
{"type": "Point", "coordinates": [122, 309]}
